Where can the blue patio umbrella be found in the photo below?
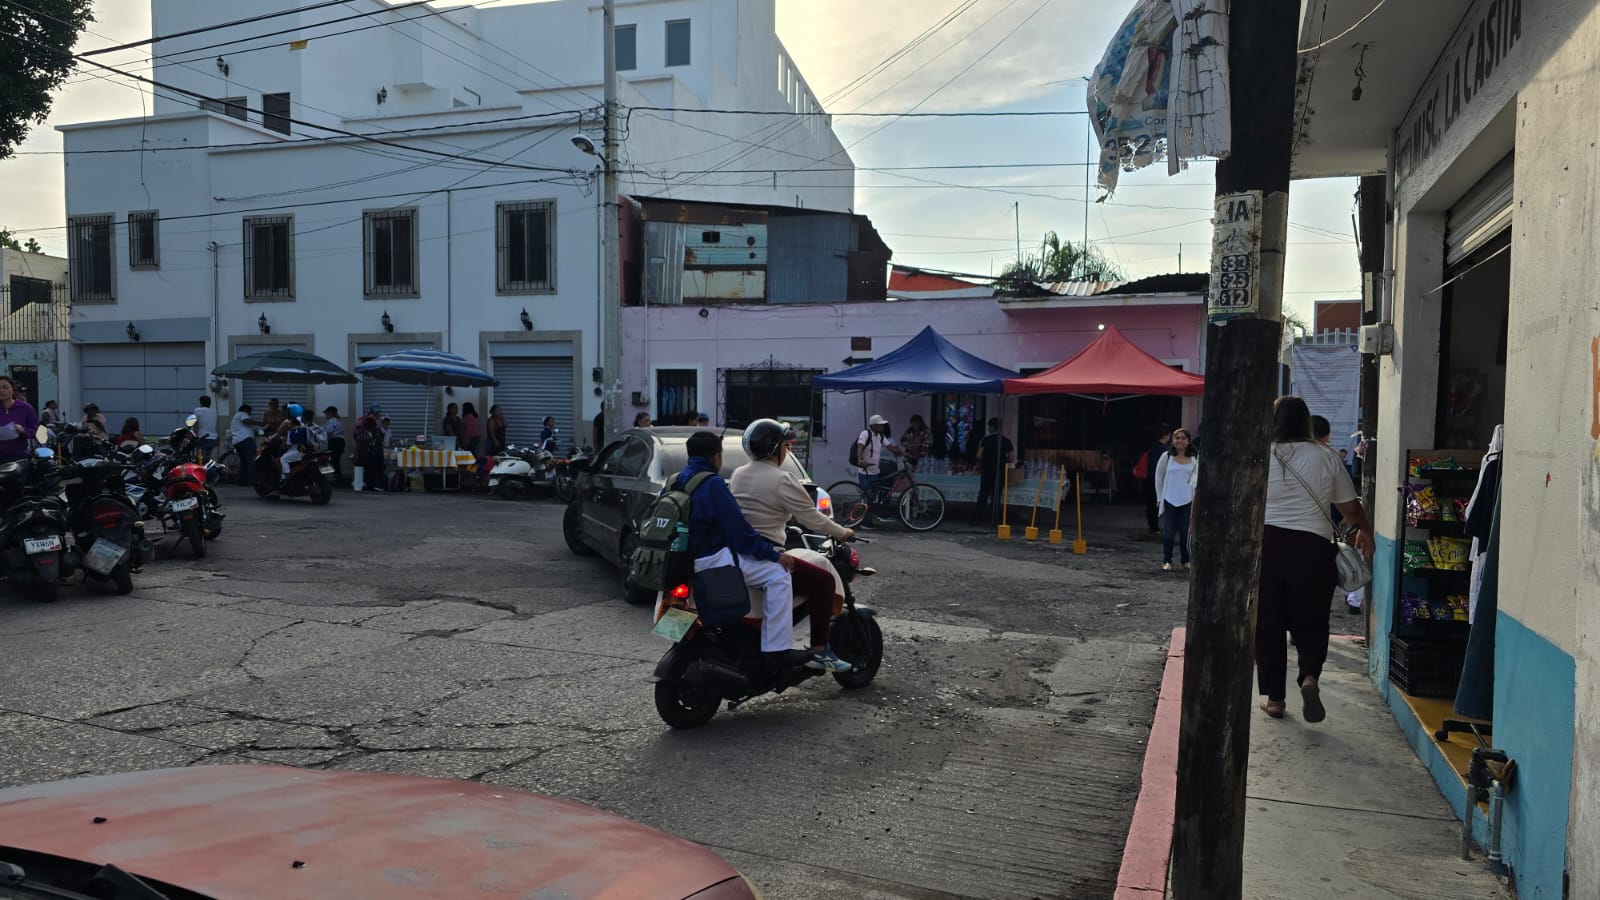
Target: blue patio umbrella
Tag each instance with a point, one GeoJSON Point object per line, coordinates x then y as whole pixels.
{"type": "Point", "coordinates": [432, 368]}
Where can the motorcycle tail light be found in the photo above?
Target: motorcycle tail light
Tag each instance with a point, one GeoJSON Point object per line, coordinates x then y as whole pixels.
{"type": "Point", "coordinates": [855, 558]}
{"type": "Point", "coordinates": [681, 592]}
{"type": "Point", "coordinates": [107, 515]}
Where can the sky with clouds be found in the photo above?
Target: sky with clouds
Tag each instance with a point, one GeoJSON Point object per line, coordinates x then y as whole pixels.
{"type": "Point", "coordinates": [997, 55]}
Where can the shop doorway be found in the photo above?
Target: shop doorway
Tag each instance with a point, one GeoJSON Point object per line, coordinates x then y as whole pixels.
{"type": "Point", "coordinates": [1473, 324]}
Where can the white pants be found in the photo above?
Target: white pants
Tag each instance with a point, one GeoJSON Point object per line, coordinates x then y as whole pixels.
{"type": "Point", "coordinates": [771, 584]}
{"type": "Point", "coordinates": [290, 457]}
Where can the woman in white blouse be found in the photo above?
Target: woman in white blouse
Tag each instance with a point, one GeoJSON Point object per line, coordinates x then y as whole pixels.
{"type": "Point", "coordinates": [1176, 475]}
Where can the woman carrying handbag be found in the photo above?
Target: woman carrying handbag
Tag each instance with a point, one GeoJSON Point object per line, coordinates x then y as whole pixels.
{"type": "Point", "coordinates": [1300, 562]}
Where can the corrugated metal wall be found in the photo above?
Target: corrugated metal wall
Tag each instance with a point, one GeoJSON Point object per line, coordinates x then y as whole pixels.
{"type": "Point", "coordinates": [808, 259]}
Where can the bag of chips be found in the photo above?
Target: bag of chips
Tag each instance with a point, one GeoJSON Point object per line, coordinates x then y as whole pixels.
{"type": "Point", "coordinates": [1415, 556]}
{"type": "Point", "coordinates": [1412, 608]}
{"type": "Point", "coordinates": [1450, 553]}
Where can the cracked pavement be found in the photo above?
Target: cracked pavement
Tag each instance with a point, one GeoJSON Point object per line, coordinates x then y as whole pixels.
{"type": "Point", "coordinates": [996, 755]}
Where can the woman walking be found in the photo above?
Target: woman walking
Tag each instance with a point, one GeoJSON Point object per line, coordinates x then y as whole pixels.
{"type": "Point", "coordinates": [369, 454]}
{"type": "Point", "coordinates": [1177, 472]}
{"type": "Point", "coordinates": [1298, 570]}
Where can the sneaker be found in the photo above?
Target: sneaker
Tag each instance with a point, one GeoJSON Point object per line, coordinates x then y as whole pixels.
{"type": "Point", "coordinates": [828, 661]}
{"type": "Point", "coordinates": [783, 659]}
{"type": "Point", "coordinates": [1166, 567]}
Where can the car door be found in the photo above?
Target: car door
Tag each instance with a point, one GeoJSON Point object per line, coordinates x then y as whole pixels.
{"type": "Point", "coordinates": [599, 529]}
{"type": "Point", "coordinates": [617, 480]}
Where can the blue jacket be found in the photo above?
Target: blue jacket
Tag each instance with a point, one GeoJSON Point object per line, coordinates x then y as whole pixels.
{"type": "Point", "coordinates": [715, 521]}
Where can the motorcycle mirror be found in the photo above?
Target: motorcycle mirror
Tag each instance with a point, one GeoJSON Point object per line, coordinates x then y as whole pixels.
{"type": "Point", "coordinates": [42, 435]}
{"type": "Point", "coordinates": [191, 421]}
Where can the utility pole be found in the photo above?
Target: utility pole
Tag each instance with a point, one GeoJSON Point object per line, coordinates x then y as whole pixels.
{"type": "Point", "coordinates": [1017, 206]}
{"type": "Point", "coordinates": [610, 250]}
{"type": "Point", "coordinates": [1245, 308]}
{"type": "Point", "coordinates": [1374, 211]}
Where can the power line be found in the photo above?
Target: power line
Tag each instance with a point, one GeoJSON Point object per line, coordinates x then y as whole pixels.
{"type": "Point", "coordinates": [193, 31]}
{"type": "Point", "coordinates": [1031, 113]}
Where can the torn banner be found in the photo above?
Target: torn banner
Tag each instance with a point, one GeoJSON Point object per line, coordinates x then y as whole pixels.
{"type": "Point", "coordinates": [1161, 90]}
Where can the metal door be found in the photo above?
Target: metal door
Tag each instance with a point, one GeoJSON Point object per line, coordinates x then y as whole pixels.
{"type": "Point", "coordinates": [159, 384]}
{"type": "Point", "coordinates": [531, 388]}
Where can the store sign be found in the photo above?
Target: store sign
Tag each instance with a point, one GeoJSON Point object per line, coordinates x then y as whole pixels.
{"type": "Point", "coordinates": [1236, 258]}
{"type": "Point", "coordinates": [1471, 64]}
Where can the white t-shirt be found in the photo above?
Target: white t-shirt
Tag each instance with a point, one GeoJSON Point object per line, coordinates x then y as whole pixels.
{"type": "Point", "coordinates": [871, 449]}
{"type": "Point", "coordinates": [237, 427]}
{"type": "Point", "coordinates": [205, 425]}
{"type": "Point", "coordinates": [1178, 486]}
{"type": "Point", "coordinates": [1289, 505]}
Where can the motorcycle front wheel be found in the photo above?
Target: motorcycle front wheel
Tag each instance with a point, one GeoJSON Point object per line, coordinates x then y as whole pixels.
{"type": "Point", "coordinates": [683, 707]}
{"type": "Point", "coordinates": [266, 478]}
{"type": "Point", "coordinates": [857, 639]}
{"type": "Point", "coordinates": [565, 485]}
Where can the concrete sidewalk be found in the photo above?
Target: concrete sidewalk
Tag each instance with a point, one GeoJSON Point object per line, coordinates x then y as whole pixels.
{"type": "Point", "coordinates": [1340, 809]}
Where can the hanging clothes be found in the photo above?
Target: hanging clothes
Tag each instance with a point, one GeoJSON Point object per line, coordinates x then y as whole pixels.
{"type": "Point", "coordinates": [1475, 693]}
{"type": "Point", "coordinates": [1480, 512]}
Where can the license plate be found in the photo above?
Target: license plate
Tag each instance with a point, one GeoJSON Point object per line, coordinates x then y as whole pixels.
{"type": "Point", "coordinates": [104, 556]}
{"type": "Point", "coordinates": [326, 470]}
{"type": "Point", "coordinates": [494, 482]}
{"type": "Point", "coordinates": [185, 504]}
{"type": "Point", "coordinates": [674, 624]}
{"type": "Point", "coordinates": [41, 545]}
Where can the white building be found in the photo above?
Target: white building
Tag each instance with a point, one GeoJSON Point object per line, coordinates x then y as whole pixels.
{"type": "Point", "coordinates": [464, 219]}
{"type": "Point", "coordinates": [33, 320]}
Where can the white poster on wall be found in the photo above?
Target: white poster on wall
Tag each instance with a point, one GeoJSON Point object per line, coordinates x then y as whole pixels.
{"type": "Point", "coordinates": [1328, 378]}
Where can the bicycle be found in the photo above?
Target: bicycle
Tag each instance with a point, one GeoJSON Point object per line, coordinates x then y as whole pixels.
{"type": "Point", "coordinates": [920, 507]}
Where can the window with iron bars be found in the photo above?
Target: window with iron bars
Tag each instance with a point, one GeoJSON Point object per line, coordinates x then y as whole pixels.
{"type": "Point", "coordinates": [391, 253]}
{"type": "Point", "coordinates": [764, 392]}
{"type": "Point", "coordinates": [144, 249]}
{"type": "Point", "coordinates": [236, 107]}
{"type": "Point", "coordinates": [91, 258]}
{"type": "Point", "coordinates": [525, 247]}
{"type": "Point", "coordinates": [269, 258]}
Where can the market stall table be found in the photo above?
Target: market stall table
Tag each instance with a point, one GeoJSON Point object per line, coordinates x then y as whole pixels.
{"type": "Point", "coordinates": [443, 461]}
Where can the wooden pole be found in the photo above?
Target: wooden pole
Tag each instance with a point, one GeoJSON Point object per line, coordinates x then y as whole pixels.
{"type": "Point", "coordinates": [1055, 533]}
{"type": "Point", "coordinates": [1031, 533]}
{"type": "Point", "coordinates": [1246, 294]}
{"type": "Point", "coordinates": [1079, 546]}
{"type": "Point", "coordinates": [1004, 531]}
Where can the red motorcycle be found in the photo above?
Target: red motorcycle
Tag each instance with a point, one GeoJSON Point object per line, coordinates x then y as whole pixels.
{"type": "Point", "coordinates": [190, 507]}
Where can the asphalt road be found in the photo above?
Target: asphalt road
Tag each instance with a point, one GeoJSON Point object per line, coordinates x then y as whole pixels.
{"type": "Point", "coordinates": [996, 755]}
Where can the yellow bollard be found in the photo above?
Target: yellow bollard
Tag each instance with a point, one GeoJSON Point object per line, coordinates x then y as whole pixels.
{"type": "Point", "coordinates": [1004, 531]}
{"type": "Point", "coordinates": [1055, 533]}
{"type": "Point", "coordinates": [1079, 546]}
{"type": "Point", "coordinates": [1031, 533]}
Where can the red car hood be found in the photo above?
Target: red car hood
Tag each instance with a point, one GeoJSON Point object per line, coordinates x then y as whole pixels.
{"type": "Point", "coordinates": [237, 832]}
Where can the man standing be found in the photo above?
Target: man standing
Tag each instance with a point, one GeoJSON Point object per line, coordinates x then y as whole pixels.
{"type": "Point", "coordinates": [333, 427]}
{"type": "Point", "coordinates": [995, 452]}
{"type": "Point", "coordinates": [205, 426]}
{"type": "Point", "coordinates": [50, 416]}
{"type": "Point", "coordinates": [242, 428]}
{"type": "Point", "coordinates": [18, 422]}
{"type": "Point", "coordinates": [870, 444]}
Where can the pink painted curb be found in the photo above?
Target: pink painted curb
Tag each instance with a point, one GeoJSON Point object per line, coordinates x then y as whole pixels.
{"type": "Point", "coordinates": [1147, 855]}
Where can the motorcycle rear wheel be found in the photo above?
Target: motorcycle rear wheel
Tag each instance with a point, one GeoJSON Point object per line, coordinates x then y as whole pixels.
{"type": "Point", "coordinates": [683, 707]}
{"type": "Point", "coordinates": [510, 488]}
{"type": "Point", "coordinates": [197, 541]}
{"type": "Point", "coordinates": [858, 640]}
{"type": "Point", "coordinates": [122, 577]}
{"type": "Point", "coordinates": [320, 491]}
{"type": "Point", "coordinates": [46, 591]}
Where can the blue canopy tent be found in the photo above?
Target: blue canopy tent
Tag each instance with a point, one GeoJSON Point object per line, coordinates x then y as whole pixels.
{"type": "Point", "coordinates": [926, 364]}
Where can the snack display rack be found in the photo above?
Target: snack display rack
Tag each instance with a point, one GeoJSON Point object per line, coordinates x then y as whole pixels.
{"type": "Point", "coordinates": [1428, 643]}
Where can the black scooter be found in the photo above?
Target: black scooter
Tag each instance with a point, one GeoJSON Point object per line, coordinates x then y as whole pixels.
{"type": "Point", "coordinates": [34, 534]}
{"type": "Point", "coordinates": [106, 527]}
{"type": "Point", "coordinates": [706, 665]}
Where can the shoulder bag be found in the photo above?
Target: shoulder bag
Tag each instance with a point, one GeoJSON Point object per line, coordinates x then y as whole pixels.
{"type": "Point", "coordinates": [1354, 573]}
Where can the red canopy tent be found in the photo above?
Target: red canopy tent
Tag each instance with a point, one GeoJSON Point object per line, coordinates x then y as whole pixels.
{"type": "Point", "coordinates": [1110, 365]}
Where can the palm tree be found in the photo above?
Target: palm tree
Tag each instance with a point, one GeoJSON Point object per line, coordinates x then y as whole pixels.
{"type": "Point", "coordinates": [1059, 260]}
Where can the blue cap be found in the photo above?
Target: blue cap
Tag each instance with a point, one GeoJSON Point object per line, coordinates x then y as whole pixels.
{"type": "Point", "coordinates": [296, 410]}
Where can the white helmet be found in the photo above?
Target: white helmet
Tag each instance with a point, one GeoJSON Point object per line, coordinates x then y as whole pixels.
{"type": "Point", "coordinates": [763, 437]}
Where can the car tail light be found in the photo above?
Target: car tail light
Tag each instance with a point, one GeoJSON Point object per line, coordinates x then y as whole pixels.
{"type": "Point", "coordinates": [681, 592]}
{"type": "Point", "coordinates": [825, 505]}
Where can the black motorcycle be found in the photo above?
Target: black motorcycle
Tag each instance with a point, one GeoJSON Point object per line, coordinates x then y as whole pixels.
{"type": "Point", "coordinates": [706, 665]}
{"type": "Point", "coordinates": [106, 528]}
{"type": "Point", "coordinates": [34, 531]}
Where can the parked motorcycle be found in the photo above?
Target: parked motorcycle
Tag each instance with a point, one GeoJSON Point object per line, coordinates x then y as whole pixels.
{"type": "Point", "coordinates": [106, 527]}
{"type": "Point", "coordinates": [518, 470]}
{"type": "Point", "coordinates": [191, 508]}
{"type": "Point", "coordinates": [34, 533]}
{"type": "Point", "coordinates": [564, 473]}
{"type": "Point", "coordinates": [310, 477]}
{"type": "Point", "coordinates": [706, 665]}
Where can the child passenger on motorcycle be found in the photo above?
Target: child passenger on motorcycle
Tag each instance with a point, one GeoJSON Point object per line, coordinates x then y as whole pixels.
{"type": "Point", "coordinates": [718, 532]}
{"type": "Point", "coordinates": [295, 437]}
{"type": "Point", "coordinates": [770, 496]}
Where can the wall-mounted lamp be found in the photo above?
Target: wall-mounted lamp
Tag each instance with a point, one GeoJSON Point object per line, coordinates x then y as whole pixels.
{"type": "Point", "coordinates": [388, 323]}
{"type": "Point", "coordinates": [527, 320]}
{"type": "Point", "coordinates": [383, 94]}
{"type": "Point", "coordinates": [598, 374]}
{"type": "Point", "coordinates": [262, 326]}
{"type": "Point", "coordinates": [133, 332]}
{"type": "Point", "coordinates": [222, 66]}
{"type": "Point", "coordinates": [705, 313]}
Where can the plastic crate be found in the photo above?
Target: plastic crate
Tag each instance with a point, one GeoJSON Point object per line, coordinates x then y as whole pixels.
{"type": "Point", "coordinates": [1426, 666]}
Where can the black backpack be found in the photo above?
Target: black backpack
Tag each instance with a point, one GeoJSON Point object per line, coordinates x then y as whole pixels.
{"type": "Point", "coordinates": [661, 559]}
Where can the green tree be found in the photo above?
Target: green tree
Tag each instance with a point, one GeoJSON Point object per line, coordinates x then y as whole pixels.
{"type": "Point", "coordinates": [32, 246]}
{"type": "Point", "coordinates": [1058, 260]}
{"type": "Point", "coordinates": [7, 241]}
{"type": "Point", "coordinates": [36, 40]}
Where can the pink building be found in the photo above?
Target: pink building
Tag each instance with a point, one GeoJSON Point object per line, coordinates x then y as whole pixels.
{"type": "Point", "coordinates": [738, 362]}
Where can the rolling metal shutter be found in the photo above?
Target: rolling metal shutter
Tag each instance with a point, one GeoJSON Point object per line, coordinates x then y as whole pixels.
{"type": "Point", "coordinates": [530, 389]}
{"type": "Point", "coordinates": [404, 404]}
{"type": "Point", "coordinates": [257, 393]}
{"type": "Point", "coordinates": [159, 384]}
{"type": "Point", "coordinates": [1481, 214]}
